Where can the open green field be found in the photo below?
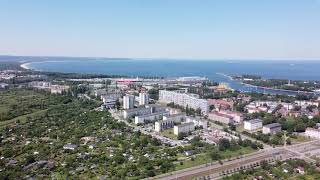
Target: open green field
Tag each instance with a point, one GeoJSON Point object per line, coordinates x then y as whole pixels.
{"type": "Point", "coordinates": [169, 134]}
{"type": "Point", "coordinates": [18, 104]}
{"type": "Point", "coordinates": [300, 139]}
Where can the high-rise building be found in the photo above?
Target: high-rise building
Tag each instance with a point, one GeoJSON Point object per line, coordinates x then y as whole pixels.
{"type": "Point", "coordinates": [143, 99]}
{"type": "Point", "coordinates": [183, 99]}
{"type": "Point", "coordinates": [128, 102]}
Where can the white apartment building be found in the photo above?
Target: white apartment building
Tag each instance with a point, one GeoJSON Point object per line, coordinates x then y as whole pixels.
{"type": "Point", "coordinates": [183, 128]}
{"type": "Point", "coordinates": [223, 118]}
{"type": "Point", "coordinates": [163, 124]}
{"type": "Point", "coordinates": [253, 124]}
{"type": "Point", "coordinates": [184, 100]}
{"type": "Point", "coordinates": [129, 113]}
{"type": "Point", "coordinates": [314, 133]}
{"type": "Point", "coordinates": [143, 99]}
{"type": "Point", "coordinates": [198, 122]}
{"type": "Point", "coordinates": [100, 92]}
{"type": "Point", "coordinates": [306, 103]}
{"type": "Point", "coordinates": [128, 102]}
{"type": "Point", "coordinates": [149, 117]}
{"type": "Point", "coordinates": [177, 118]}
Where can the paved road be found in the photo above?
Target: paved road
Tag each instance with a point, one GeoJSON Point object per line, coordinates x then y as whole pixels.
{"type": "Point", "coordinates": [215, 169]}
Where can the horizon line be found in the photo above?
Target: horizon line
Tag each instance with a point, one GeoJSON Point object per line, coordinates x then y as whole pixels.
{"type": "Point", "coordinates": [165, 58]}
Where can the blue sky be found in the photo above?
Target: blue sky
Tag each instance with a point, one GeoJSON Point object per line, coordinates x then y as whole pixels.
{"type": "Point", "coordinates": [198, 29]}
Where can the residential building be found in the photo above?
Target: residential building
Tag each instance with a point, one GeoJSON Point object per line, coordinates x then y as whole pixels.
{"type": "Point", "coordinates": [128, 102]}
{"type": "Point", "coordinates": [149, 117]}
{"type": "Point", "coordinates": [177, 118]}
{"type": "Point", "coordinates": [221, 104]}
{"type": "Point", "coordinates": [183, 128]}
{"type": "Point", "coordinates": [163, 125]}
{"type": "Point", "coordinates": [306, 103]}
{"type": "Point", "coordinates": [198, 122]}
{"type": "Point", "coordinates": [271, 128]}
{"type": "Point", "coordinates": [143, 99]}
{"type": "Point", "coordinates": [59, 89]}
{"type": "Point", "coordinates": [183, 99]}
{"type": "Point", "coordinates": [129, 113]}
{"type": "Point", "coordinates": [111, 96]}
{"type": "Point", "coordinates": [100, 92]}
{"type": "Point", "coordinates": [237, 117]}
{"type": "Point", "coordinates": [223, 118]}
{"type": "Point", "coordinates": [47, 86]}
{"type": "Point", "coordinates": [253, 124]}
{"type": "Point", "coordinates": [109, 104]}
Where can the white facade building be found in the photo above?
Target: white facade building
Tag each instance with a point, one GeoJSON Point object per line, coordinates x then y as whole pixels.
{"type": "Point", "coordinates": [223, 118]}
{"type": "Point", "coordinates": [143, 99]}
{"type": "Point", "coordinates": [253, 124]}
{"type": "Point", "coordinates": [177, 118]}
{"type": "Point", "coordinates": [129, 113]}
{"type": "Point", "coordinates": [149, 117]}
{"type": "Point", "coordinates": [183, 99]}
{"type": "Point", "coordinates": [183, 128]}
{"type": "Point", "coordinates": [128, 102]}
{"type": "Point", "coordinates": [198, 122]}
{"type": "Point", "coordinates": [163, 124]}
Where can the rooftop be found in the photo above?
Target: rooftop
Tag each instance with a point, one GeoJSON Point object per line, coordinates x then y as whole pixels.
{"type": "Point", "coordinates": [253, 121]}
{"type": "Point", "coordinates": [185, 124]}
{"type": "Point", "coordinates": [273, 125]}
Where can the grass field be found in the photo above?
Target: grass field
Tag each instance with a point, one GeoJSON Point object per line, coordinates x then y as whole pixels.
{"type": "Point", "coordinates": [17, 105]}
{"type": "Point", "coordinates": [22, 118]}
{"type": "Point", "coordinates": [169, 134]}
{"type": "Point", "coordinates": [300, 139]}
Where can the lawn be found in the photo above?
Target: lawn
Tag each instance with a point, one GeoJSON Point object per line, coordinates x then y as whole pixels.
{"type": "Point", "coordinates": [300, 139]}
{"type": "Point", "coordinates": [169, 134]}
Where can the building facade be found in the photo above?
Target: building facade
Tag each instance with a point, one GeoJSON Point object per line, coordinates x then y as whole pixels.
{"type": "Point", "coordinates": [143, 99]}
{"type": "Point", "coordinates": [253, 124]}
{"type": "Point", "coordinates": [198, 122]}
{"type": "Point", "coordinates": [163, 124]}
{"type": "Point", "coordinates": [129, 113]}
{"type": "Point", "coordinates": [149, 117]}
{"type": "Point", "coordinates": [271, 128]}
{"type": "Point", "coordinates": [177, 118]}
{"type": "Point", "coordinates": [128, 102]}
{"type": "Point", "coordinates": [223, 118]}
{"type": "Point", "coordinates": [183, 128]}
{"type": "Point", "coordinates": [184, 100]}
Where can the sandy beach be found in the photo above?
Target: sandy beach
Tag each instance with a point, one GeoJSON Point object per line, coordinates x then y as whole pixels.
{"type": "Point", "coordinates": [25, 65]}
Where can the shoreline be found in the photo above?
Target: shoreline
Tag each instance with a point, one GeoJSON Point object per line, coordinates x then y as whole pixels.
{"type": "Point", "coordinates": [275, 89]}
{"type": "Point", "coordinates": [266, 88]}
{"type": "Point", "coordinates": [25, 66]}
